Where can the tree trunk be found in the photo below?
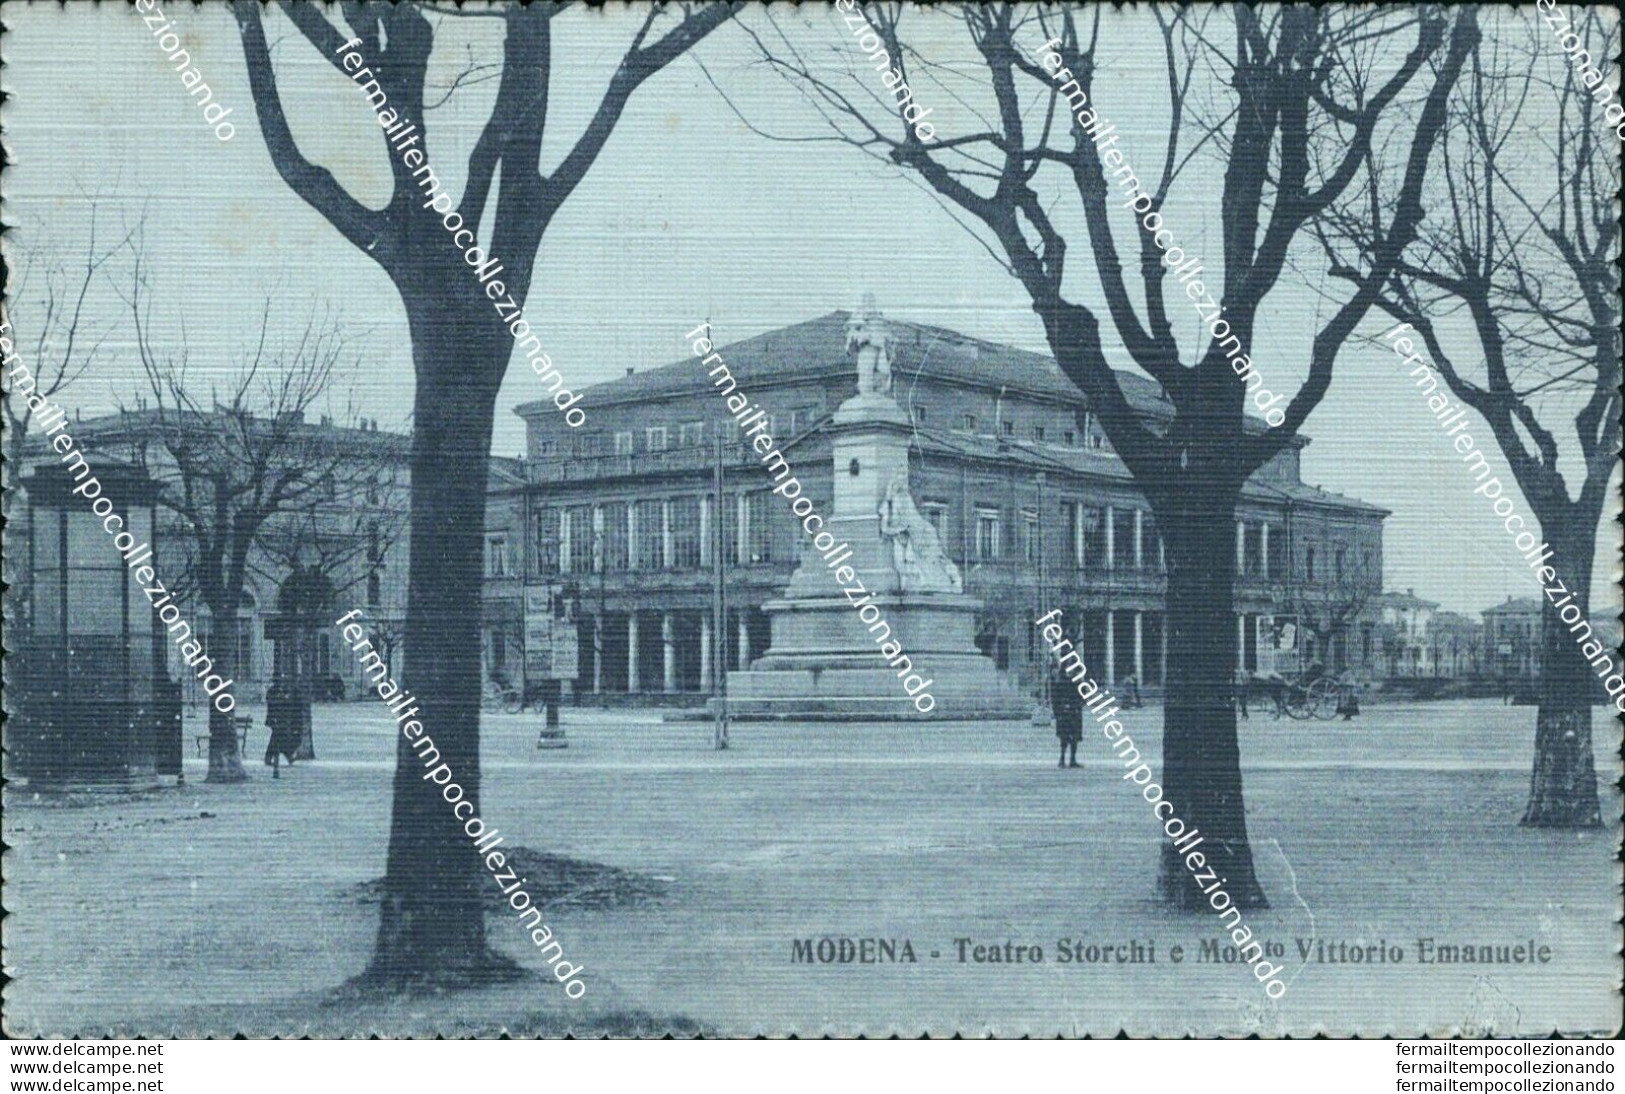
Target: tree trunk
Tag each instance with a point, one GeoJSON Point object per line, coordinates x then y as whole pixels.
{"type": "Point", "coordinates": [1201, 757]}
{"type": "Point", "coordinates": [1563, 784]}
{"type": "Point", "coordinates": [432, 924]}
{"type": "Point", "coordinates": [225, 757]}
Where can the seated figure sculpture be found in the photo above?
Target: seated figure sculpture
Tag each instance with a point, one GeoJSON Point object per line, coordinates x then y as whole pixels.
{"type": "Point", "coordinates": [917, 552]}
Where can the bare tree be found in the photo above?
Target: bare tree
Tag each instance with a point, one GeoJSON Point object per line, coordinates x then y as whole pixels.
{"type": "Point", "coordinates": [432, 926]}
{"type": "Point", "coordinates": [63, 347]}
{"type": "Point", "coordinates": [1331, 610]}
{"type": "Point", "coordinates": [229, 468]}
{"type": "Point", "coordinates": [1301, 93]}
{"type": "Point", "coordinates": [1514, 290]}
{"type": "Point", "coordinates": [336, 542]}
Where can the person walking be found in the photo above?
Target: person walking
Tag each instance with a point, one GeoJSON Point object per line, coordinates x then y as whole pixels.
{"type": "Point", "coordinates": [1131, 688]}
{"type": "Point", "coordinates": [1243, 681]}
{"type": "Point", "coordinates": [282, 719]}
{"type": "Point", "coordinates": [1068, 706]}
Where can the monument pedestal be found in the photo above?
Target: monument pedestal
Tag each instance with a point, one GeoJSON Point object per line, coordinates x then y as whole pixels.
{"type": "Point", "coordinates": [825, 660]}
{"type": "Point", "coordinates": [824, 665]}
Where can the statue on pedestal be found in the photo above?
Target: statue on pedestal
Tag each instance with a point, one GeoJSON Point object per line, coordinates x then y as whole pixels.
{"type": "Point", "coordinates": [868, 335]}
{"type": "Point", "coordinates": [917, 553]}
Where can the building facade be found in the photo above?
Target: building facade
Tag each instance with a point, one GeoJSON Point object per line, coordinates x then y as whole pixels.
{"type": "Point", "coordinates": [1512, 637]}
{"type": "Point", "coordinates": [1404, 621]}
{"type": "Point", "coordinates": [1006, 461]}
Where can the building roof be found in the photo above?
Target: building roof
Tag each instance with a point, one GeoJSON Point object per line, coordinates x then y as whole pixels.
{"type": "Point", "coordinates": [1519, 605]}
{"type": "Point", "coordinates": [505, 471]}
{"type": "Point", "coordinates": [817, 349]}
{"type": "Point", "coordinates": [148, 421]}
{"type": "Point", "coordinates": [1040, 456]}
{"type": "Point", "coordinates": [1406, 599]}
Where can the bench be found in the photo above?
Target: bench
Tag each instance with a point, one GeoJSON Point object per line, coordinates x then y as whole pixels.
{"type": "Point", "coordinates": [241, 722]}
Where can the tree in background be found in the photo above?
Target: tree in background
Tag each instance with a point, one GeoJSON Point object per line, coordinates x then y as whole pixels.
{"type": "Point", "coordinates": [228, 464]}
{"type": "Point", "coordinates": [1514, 290]}
{"type": "Point", "coordinates": [333, 549]}
{"type": "Point", "coordinates": [62, 348]}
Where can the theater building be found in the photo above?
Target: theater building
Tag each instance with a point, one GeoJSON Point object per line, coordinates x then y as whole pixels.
{"type": "Point", "coordinates": [1007, 462]}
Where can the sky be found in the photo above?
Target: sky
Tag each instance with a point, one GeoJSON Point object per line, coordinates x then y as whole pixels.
{"type": "Point", "coordinates": [687, 215]}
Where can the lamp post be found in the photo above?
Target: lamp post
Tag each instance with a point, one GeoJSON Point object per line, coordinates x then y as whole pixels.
{"type": "Point", "coordinates": [94, 703]}
{"type": "Point", "coordinates": [719, 613]}
{"type": "Point", "coordinates": [1042, 714]}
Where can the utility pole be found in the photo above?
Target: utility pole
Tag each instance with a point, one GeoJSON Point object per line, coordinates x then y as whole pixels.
{"type": "Point", "coordinates": [719, 609]}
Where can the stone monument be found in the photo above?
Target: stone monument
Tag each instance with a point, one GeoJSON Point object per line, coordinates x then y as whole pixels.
{"type": "Point", "coordinates": [824, 662]}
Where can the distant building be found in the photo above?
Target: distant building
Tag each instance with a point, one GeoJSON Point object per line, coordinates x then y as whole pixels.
{"type": "Point", "coordinates": [354, 523]}
{"type": "Point", "coordinates": [1008, 463]}
{"type": "Point", "coordinates": [1403, 620]}
{"type": "Point", "coordinates": [1512, 635]}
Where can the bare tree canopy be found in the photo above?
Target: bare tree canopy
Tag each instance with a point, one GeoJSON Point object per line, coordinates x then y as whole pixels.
{"type": "Point", "coordinates": [1513, 288]}
{"type": "Point", "coordinates": [231, 466]}
{"type": "Point", "coordinates": [1291, 102]}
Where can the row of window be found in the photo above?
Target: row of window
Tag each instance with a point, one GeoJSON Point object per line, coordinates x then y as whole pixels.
{"type": "Point", "coordinates": [971, 423]}
{"type": "Point", "coordinates": [673, 534]}
{"type": "Point", "coordinates": [1262, 550]}
{"type": "Point", "coordinates": [652, 534]}
{"type": "Point", "coordinates": [660, 438]}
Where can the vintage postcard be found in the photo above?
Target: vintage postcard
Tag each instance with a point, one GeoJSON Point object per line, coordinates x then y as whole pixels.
{"type": "Point", "coordinates": [865, 519]}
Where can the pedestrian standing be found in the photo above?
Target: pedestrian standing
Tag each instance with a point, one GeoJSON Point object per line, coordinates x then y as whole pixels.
{"type": "Point", "coordinates": [1242, 683]}
{"type": "Point", "coordinates": [1348, 695]}
{"type": "Point", "coordinates": [1068, 705]}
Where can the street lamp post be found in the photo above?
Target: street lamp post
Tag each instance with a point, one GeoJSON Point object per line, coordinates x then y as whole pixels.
{"type": "Point", "coordinates": [1043, 713]}
{"type": "Point", "coordinates": [719, 612]}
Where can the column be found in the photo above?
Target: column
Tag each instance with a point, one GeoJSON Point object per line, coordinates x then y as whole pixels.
{"type": "Point", "coordinates": [1111, 644]}
{"type": "Point", "coordinates": [1139, 662]}
{"type": "Point", "coordinates": [1139, 556]}
{"type": "Point", "coordinates": [669, 648]}
{"type": "Point", "coordinates": [665, 538]}
{"type": "Point", "coordinates": [1163, 631]}
{"type": "Point", "coordinates": [565, 521]}
{"type": "Point", "coordinates": [598, 654]}
{"type": "Point", "coordinates": [705, 652]}
{"type": "Point", "coordinates": [633, 684]}
{"type": "Point", "coordinates": [1241, 547]}
{"type": "Point", "coordinates": [742, 536]}
{"type": "Point", "coordinates": [631, 535]}
{"type": "Point", "coordinates": [1264, 549]}
{"type": "Point", "coordinates": [744, 642]}
{"type": "Point", "coordinates": [1111, 549]}
{"type": "Point", "coordinates": [1241, 640]}
{"type": "Point", "coordinates": [705, 529]}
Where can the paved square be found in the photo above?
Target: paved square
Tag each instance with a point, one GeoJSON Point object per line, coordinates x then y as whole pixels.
{"type": "Point", "coordinates": [175, 912]}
